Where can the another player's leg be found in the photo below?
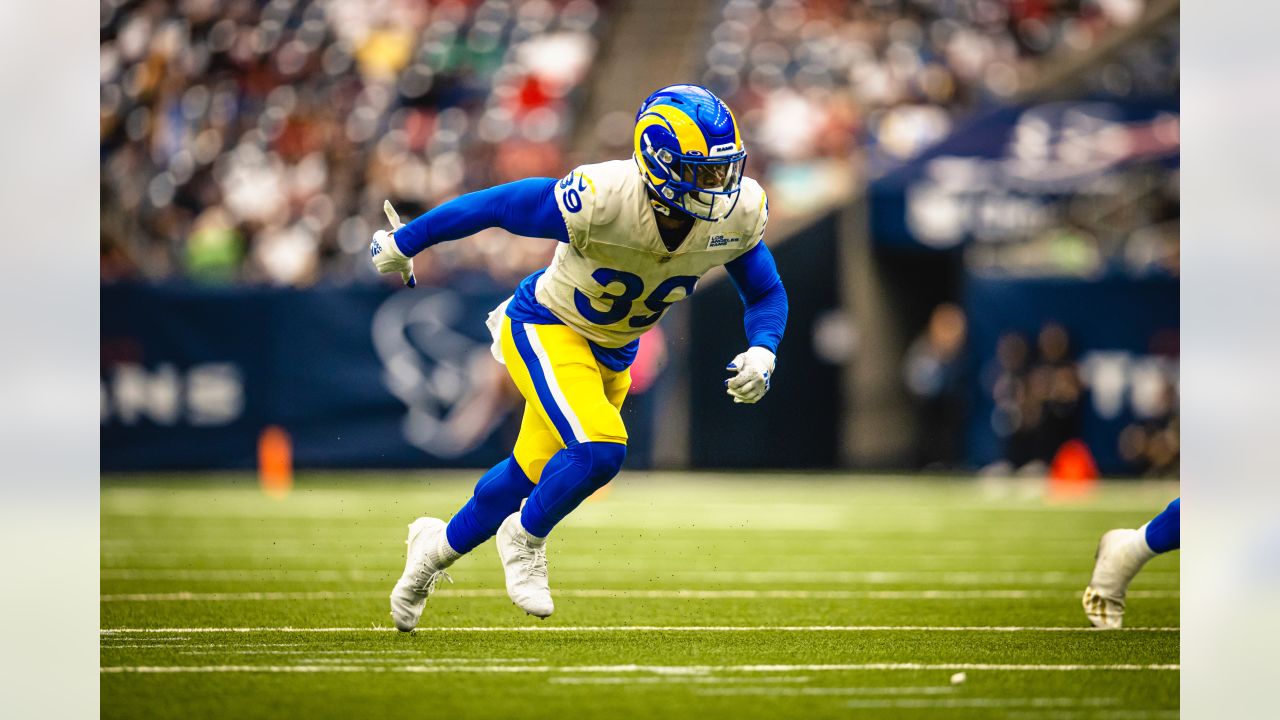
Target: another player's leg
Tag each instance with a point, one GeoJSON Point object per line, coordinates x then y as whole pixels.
{"type": "Point", "coordinates": [433, 546]}
{"type": "Point", "coordinates": [560, 377]}
{"type": "Point", "coordinates": [1121, 554]}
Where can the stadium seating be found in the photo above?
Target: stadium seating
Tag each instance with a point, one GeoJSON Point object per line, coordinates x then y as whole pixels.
{"type": "Point", "coordinates": [247, 142]}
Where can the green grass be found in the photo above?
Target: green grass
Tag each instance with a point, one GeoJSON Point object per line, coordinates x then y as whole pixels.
{"type": "Point", "coordinates": [676, 595]}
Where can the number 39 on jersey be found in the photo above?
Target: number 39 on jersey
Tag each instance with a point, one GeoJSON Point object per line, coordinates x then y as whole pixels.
{"type": "Point", "coordinates": [615, 277]}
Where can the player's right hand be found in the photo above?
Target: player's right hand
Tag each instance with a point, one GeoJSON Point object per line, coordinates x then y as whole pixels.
{"type": "Point", "coordinates": [387, 257]}
{"type": "Point", "coordinates": [751, 375]}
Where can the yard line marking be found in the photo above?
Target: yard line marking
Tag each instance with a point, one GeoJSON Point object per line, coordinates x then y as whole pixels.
{"type": "Point", "coordinates": [112, 645]}
{"type": "Point", "coordinates": [151, 669]}
{"type": "Point", "coordinates": [304, 575]}
{"type": "Point", "coordinates": [842, 516]}
{"type": "Point", "coordinates": [674, 594]}
{"type": "Point", "coordinates": [657, 628]}
{"type": "Point", "coordinates": [137, 646]}
{"type": "Point", "coordinates": [156, 639]}
{"type": "Point", "coordinates": [941, 577]}
{"type": "Point", "coordinates": [185, 596]}
{"type": "Point", "coordinates": [243, 540]}
{"type": "Point", "coordinates": [869, 577]}
{"type": "Point", "coordinates": [932, 690]}
{"type": "Point", "coordinates": [673, 679]}
{"type": "Point", "coordinates": [650, 669]}
{"type": "Point", "coordinates": [150, 548]}
{"type": "Point", "coordinates": [314, 655]}
{"type": "Point", "coordinates": [402, 656]}
{"type": "Point", "coordinates": [1063, 702]}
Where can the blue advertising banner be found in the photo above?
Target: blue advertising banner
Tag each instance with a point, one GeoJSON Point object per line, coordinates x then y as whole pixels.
{"type": "Point", "coordinates": [998, 177]}
{"type": "Point", "coordinates": [358, 377]}
{"type": "Point", "coordinates": [1060, 358]}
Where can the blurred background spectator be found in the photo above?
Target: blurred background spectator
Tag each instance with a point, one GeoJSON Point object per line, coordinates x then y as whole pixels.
{"type": "Point", "coordinates": [1037, 396]}
{"type": "Point", "coordinates": [1152, 445]}
{"type": "Point", "coordinates": [935, 373]}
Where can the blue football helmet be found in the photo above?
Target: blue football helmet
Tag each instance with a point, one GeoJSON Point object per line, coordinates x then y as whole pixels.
{"type": "Point", "coordinates": [690, 151]}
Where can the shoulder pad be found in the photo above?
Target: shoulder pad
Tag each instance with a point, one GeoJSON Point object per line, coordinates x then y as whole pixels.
{"type": "Point", "coordinates": [753, 205]}
{"type": "Point", "coordinates": [593, 195]}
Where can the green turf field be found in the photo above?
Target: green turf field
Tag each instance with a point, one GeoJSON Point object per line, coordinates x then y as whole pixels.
{"type": "Point", "coordinates": [676, 595]}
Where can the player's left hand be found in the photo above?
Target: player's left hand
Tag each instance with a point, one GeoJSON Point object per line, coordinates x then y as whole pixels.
{"type": "Point", "coordinates": [754, 368]}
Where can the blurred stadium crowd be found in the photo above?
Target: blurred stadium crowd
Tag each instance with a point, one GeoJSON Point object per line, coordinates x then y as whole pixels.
{"type": "Point", "coordinates": [829, 89]}
{"type": "Point", "coordinates": [252, 142]}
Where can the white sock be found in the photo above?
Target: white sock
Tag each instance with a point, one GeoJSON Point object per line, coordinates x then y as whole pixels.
{"type": "Point", "coordinates": [442, 555]}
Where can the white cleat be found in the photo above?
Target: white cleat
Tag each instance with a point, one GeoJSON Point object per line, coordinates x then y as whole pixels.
{"type": "Point", "coordinates": [1103, 612]}
{"type": "Point", "coordinates": [524, 559]}
{"type": "Point", "coordinates": [422, 570]}
{"type": "Point", "coordinates": [1121, 554]}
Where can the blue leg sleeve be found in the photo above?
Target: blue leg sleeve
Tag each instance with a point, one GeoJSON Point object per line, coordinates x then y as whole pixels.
{"type": "Point", "coordinates": [570, 477]}
{"type": "Point", "coordinates": [497, 495]}
{"type": "Point", "coordinates": [1164, 532]}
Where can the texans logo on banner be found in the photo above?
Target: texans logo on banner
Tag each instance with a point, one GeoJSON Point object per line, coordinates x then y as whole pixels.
{"type": "Point", "coordinates": [453, 391]}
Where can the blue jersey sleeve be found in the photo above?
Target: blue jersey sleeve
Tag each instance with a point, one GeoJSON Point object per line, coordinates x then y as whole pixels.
{"type": "Point", "coordinates": [755, 274]}
{"type": "Point", "coordinates": [524, 207]}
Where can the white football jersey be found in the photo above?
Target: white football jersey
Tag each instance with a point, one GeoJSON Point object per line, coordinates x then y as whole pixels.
{"type": "Point", "coordinates": [615, 278]}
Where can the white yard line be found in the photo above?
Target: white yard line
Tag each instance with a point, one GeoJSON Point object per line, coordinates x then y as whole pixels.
{"type": "Point", "coordinates": [818, 518]}
{"type": "Point", "coordinates": [186, 596]}
{"type": "Point", "coordinates": [685, 514]}
{"type": "Point", "coordinates": [873, 577]}
{"type": "Point", "coordinates": [245, 574]}
{"type": "Point", "coordinates": [818, 691]}
{"type": "Point", "coordinates": [1128, 714]}
{"type": "Point", "coordinates": [651, 628]}
{"type": "Point", "coordinates": [149, 549]}
{"type": "Point", "coordinates": [316, 655]}
{"type": "Point", "coordinates": [112, 643]}
{"type": "Point", "coordinates": [678, 679]}
{"type": "Point", "coordinates": [648, 669]}
{"type": "Point", "coordinates": [406, 660]}
{"type": "Point", "coordinates": [869, 577]}
{"type": "Point", "coordinates": [981, 702]}
{"type": "Point", "coordinates": [675, 594]}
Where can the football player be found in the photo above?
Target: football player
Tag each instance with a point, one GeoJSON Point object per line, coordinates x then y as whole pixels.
{"type": "Point", "coordinates": [635, 236]}
{"type": "Point", "coordinates": [1121, 554]}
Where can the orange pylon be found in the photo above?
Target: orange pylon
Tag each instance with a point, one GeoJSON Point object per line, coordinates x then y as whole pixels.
{"type": "Point", "coordinates": [1073, 472]}
{"type": "Point", "coordinates": [275, 461]}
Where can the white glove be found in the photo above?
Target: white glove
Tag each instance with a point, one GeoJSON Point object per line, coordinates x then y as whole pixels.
{"type": "Point", "coordinates": [387, 257]}
{"type": "Point", "coordinates": [754, 368]}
